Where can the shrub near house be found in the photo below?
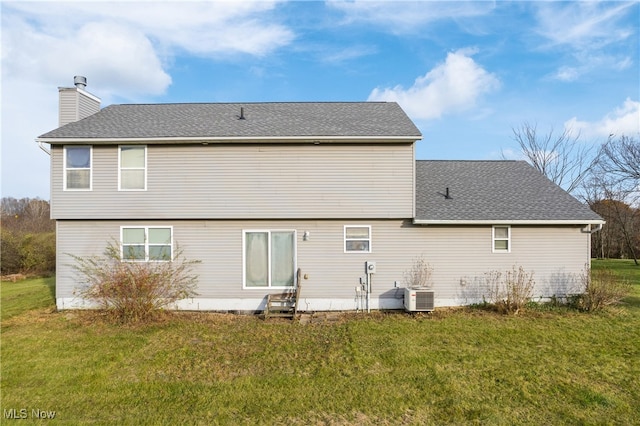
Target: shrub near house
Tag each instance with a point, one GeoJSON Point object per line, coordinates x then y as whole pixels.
{"type": "Point", "coordinates": [134, 291]}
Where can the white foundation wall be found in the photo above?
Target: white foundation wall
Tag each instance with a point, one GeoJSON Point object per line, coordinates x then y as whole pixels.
{"type": "Point", "coordinates": [459, 255]}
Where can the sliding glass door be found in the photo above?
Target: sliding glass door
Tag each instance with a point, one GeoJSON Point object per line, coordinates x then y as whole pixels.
{"type": "Point", "coordinates": [269, 258]}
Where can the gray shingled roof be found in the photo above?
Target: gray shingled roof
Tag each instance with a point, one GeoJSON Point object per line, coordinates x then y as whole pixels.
{"type": "Point", "coordinates": [492, 191]}
{"type": "Point", "coordinates": [220, 120]}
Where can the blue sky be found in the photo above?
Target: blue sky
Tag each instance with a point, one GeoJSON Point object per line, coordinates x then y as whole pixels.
{"type": "Point", "coordinates": [467, 73]}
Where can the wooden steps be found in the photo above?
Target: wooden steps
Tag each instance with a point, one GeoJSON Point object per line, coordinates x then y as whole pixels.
{"type": "Point", "coordinates": [280, 306]}
{"type": "Point", "coordinates": [283, 305]}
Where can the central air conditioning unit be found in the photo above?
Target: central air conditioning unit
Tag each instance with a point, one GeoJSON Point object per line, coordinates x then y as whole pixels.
{"type": "Point", "coordinates": [418, 299]}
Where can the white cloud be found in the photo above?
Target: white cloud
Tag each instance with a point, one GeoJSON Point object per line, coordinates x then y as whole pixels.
{"type": "Point", "coordinates": [126, 46]}
{"type": "Point", "coordinates": [583, 25]}
{"type": "Point", "coordinates": [566, 73]}
{"type": "Point", "coordinates": [345, 54]}
{"type": "Point", "coordinates": [116, 57]}
{"type": "Point", "coordinates": [123, 48]}
{"type": "Point", "coordinates": [596, 35]}
{"type": "Point", "coordinates": [401, 17]}
{"type": "Point", "coordinates": [205, 27]}
{"type": "Point", "coordinates": [450, 87]}
{"type": "Point", "coordinates": [624, 120]}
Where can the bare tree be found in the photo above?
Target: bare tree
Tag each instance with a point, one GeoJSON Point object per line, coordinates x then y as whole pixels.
{"type": "Point", "coordinates": [609, 242]}
{"type": "Point", "coordinates": [26, 215]}
{"type": "Point", "coordinates": [620, 237]}
{"type": "Point", "coordinates": [621, 158]}
{"type": "Point", "coordinates": [615, 183]}
{"type": "Point", "coordinates": [562, 157]}
{"type": "Point", "coordinates": [10, 206]}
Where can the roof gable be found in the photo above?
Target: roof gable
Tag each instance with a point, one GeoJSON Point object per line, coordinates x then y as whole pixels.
{"type": "Point", "coordinates": [243, 121]}
{"type": "Point", "coordinates": [492, 191]}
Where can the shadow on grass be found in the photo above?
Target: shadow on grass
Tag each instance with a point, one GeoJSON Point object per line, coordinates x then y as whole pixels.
{"type": "Point", "coordinates": [51, 284]}
{"type": "Point", "coordinates": [632, 301]}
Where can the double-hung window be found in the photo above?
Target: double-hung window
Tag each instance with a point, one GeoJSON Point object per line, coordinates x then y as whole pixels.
{"type": "Point", "coordinates": [133, 168]}
{"type": "Point", "coordinates": [501, 239]}
{"type": "Point", "coordinates": [357, 238]}
{"type": "Point", "coordinates": [147, 243]}
{"type": "Point", "coordinates": [269, 258]}
{"type": "Point", "coordinates": [77, 168]}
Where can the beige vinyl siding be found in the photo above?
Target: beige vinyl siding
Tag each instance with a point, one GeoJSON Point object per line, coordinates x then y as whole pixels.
{"type": "Point", "coordinates": [248, 181]}
{"type": "Point", "coordinates": [68, 107]}
{"type": "Point", "coordinates": [459, 256]}
{"type": "Point", "coordinates": [75, 105]}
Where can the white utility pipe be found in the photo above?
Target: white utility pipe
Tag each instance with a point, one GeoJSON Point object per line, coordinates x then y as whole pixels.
{"type": "Point", "coordinates": [368, 292]}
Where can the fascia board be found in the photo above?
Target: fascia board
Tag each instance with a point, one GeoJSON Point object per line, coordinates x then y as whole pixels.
{"type": "Point", "coordinates": [238, 139]}
{"type": "Point", "coordinates": [508, 222]}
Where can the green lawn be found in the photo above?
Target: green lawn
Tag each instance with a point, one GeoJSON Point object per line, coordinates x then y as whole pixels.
{"type": "Point", "coordinates": [25, 295]}
{"type": "Point", "coordinates": [547, 366]}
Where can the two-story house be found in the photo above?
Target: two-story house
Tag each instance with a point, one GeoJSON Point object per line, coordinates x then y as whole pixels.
{"type": "Point", "coordinates": [260, 191]}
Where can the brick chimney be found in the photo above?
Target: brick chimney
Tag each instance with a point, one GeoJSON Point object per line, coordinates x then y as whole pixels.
{"type": "Point", "coordinates": [75, 103]}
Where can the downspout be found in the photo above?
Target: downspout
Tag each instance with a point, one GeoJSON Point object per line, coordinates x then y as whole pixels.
{"type": "Point", "coordinates": [594, 230]}
{"type": "Point", "coordinates": [42, 147]}
{"type": "Point", "coordinates": [591, 231]}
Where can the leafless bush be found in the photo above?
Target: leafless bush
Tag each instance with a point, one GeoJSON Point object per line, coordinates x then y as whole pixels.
{"type": "Point", "coordinates": [134, 291]}
{"type": "Point", "coordinates": [510, 291]}
{"type": "Point", "coordinates": [600, 288]}
{"type": "Point", "coordinates": [420, 274]}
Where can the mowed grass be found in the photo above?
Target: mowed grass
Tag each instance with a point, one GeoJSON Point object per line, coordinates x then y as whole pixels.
{"type": "Point", "coordinates": [462, 366]}
{"type": "Point", "coordinates": [23, 296]}
{"type": "Point", "coordinates": [626, 269]}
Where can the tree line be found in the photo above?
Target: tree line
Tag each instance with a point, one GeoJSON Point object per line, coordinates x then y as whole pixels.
{"type": "Point", "coordinates": [606, 177]}
{"type": "Point", "coordinates": [28, 238]}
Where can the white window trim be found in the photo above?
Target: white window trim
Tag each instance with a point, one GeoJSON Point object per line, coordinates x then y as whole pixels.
{"type": "Point", "coordinates": [344, 238]}
{"type": "Point", "coordinates": [131, 168]}
{"type": "Point", "coordinates": [146, 243]}
{"type": "Point", "coordinates": [244, 259]}
{"type": "Point", "coordinates": [494, 239]}
{"type": "Point", "coordinates": [64, 168]}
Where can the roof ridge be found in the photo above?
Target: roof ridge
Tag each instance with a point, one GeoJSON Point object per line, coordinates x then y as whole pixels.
{"type": "Point", "coordinates": [254, 103]}
{"type": "Point", "coordinates": [472, 161]}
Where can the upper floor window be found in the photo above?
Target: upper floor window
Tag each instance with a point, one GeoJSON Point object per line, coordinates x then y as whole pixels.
{"type": "Point", "coordinates": [77, 168]}
{"type": "Point", "coordinates": [501, 239]}
{"type": "Point", "coordinates": [147, 243]}
{"type": "Point", "coordinates": [133, 168]}
{"type": "Point", "coordinates": [357, 238]}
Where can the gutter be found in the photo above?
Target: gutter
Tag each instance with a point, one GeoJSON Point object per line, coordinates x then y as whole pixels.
{"type": "Point", "coordinates": [588, 230]}
{"type": "Point", "coordinates": [233, 139]}
{"type": "Point", "coordinates": [599, 223]}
